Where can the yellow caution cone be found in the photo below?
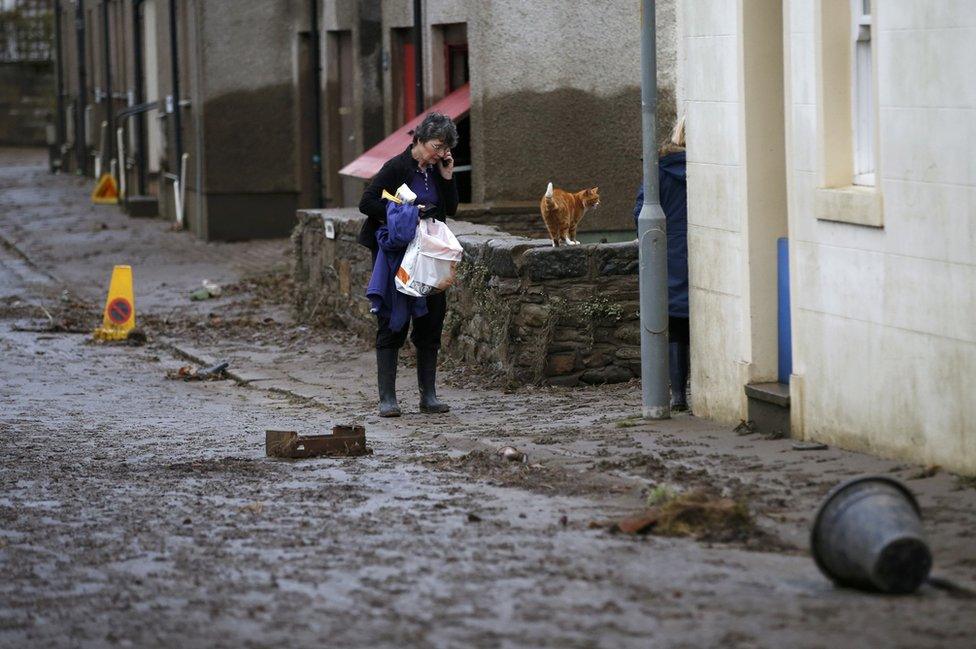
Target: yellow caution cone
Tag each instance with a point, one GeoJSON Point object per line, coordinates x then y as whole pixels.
{"type": "Point", "coordinates": [120, 307]}
{"type": "Point", "coordinates": [105, 192]}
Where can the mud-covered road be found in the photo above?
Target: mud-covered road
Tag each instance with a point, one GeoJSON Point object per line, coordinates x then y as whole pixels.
{"type": "Point", "coordinates": [140, 511]}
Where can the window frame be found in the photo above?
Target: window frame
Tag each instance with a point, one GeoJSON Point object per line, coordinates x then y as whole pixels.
{"type": "Point", "coordinates": [862, 93]}
{"type": "Point", "coordinates": [841, 194]}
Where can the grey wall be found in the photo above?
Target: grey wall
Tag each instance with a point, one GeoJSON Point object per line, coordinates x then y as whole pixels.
{"type": "Point", "coordinates": [249, 95]}
{"type": "Point", "coordinates": [556, 97]}
{"type": "Point", "coordinates": [244, 105]}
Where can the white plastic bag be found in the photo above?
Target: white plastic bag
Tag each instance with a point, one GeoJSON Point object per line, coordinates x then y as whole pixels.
{"type": "Point", "coordinates": [429, 265]}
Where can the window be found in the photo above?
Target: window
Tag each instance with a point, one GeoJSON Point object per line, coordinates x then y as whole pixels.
{"type": "Point", "coordinates": [862, 94]}
{"type": "Point", "coordinates": [846, 107]}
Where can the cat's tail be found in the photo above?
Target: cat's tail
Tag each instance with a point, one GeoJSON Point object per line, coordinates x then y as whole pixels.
{"type": "Point", "coordinates": [549, 202]}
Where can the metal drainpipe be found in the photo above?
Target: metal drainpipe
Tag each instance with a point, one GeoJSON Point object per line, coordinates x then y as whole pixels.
{"type": "Point", "coordinates": [80, 135]}
{"type": "Point", "coordinates": [653, 249]}
{"type": "Point", "coordinates": [313, 7]}
{"type": "Point", "coordinates": [175, 70]}
{"type": "Point", "coordinates": [139, 81]}
{"type": "Point", "coordinates": [59, 62]}
{"type": "Point", "coordinates": [418, 55]}
{"type": "Point", "coordinates": [109, 114]}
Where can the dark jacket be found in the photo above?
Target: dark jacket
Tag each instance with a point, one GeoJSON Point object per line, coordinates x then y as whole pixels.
{"type": "Point", "coordinates": [395, 172]}
{"type": "Point", "coordinates": [674, 201]}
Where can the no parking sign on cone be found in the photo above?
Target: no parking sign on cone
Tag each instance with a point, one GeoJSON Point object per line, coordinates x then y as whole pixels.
{"type": "Point", "coordinates": [119, 317]}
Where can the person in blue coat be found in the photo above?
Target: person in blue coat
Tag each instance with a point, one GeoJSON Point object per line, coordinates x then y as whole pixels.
{"type": "Point", "coordinates": [427, 168]}
{"type": "Point", "coordinates": [674, 203]}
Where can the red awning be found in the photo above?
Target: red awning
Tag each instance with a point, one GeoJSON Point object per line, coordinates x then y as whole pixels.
{"type": "Point", "coordinates": [456, 105]}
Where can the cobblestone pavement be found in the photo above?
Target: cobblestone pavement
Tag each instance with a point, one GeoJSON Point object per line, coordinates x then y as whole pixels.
{"type": "Point", "coordinates": [136, 510]}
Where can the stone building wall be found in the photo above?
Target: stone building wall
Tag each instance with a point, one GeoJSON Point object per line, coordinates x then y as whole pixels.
{"type": "Point", "coordinates": [520, 308]}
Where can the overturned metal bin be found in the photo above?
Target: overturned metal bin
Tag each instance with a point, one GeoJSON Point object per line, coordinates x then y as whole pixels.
{"type": "Point", "coordinates": [345, 441]}
{"type": "Point", "coordinates": [868, 534]}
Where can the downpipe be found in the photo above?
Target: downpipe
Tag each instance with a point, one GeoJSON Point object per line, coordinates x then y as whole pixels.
{"type": "Point", "coordinates": [120, 133]}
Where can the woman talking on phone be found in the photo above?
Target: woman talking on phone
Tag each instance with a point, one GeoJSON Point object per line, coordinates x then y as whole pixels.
{"type": "Point", "coordinates": [427, 168]}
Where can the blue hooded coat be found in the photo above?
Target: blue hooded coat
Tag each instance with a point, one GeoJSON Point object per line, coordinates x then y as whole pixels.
{"type": "Point", "coordinates": [393, 237]}
{"type": "Point", "coordinates": [674, 202]}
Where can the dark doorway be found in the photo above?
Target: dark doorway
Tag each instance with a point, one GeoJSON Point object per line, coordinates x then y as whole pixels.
{"type": "Point", "coordinates": [343, 145]}
{"type": "Point", "coordinates": [306, 122]}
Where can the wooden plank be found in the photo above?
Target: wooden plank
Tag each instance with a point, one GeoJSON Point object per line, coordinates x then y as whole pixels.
{"type": "Point", "coordinates": [345, 441]}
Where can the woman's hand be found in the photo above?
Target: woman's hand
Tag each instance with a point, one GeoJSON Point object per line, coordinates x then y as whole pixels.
{"type": "Point", "coordinates": [446, 166]}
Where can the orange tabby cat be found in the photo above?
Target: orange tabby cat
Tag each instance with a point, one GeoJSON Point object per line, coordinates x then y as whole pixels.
{"type": "Point", "coordinates": [562, 211]}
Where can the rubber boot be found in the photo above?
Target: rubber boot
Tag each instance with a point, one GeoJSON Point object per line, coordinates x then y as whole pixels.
{"type": "Point", "coordinates": [678, 356]}
{"type": "Point", "coordinates": [386, 369]}
{"type": "Point", "coordinates": [426, 377]}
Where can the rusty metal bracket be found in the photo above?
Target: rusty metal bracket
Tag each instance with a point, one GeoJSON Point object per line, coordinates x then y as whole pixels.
{"type": "Point", "coordinates": [345, 441]}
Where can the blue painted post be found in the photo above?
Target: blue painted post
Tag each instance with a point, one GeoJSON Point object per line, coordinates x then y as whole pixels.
{"type": "Point", "coordinates": [783, 310]}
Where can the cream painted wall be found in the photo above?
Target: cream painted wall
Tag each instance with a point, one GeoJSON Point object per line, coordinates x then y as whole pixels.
{"type": "Point", "coordinates": [710, 31]}
{"type": "Point", "coordinates": [884, 319]}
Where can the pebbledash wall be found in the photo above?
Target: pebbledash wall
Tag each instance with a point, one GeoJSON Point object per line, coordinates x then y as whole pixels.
{"type": "Point", "coordinates": [882, 277]}
{"type": "Point", "coordinates": [521, 308]}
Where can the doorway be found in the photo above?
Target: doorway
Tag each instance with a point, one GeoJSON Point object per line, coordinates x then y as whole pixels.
{"type": "Point", "coordinates": [343, 144]}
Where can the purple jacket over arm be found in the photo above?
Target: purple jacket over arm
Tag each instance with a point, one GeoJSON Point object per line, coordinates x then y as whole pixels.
{"type": "Point", "coordinates": [393, 238]}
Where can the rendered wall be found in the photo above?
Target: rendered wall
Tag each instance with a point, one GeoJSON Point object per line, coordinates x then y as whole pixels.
{"type": "Point", "coordinates": [245, 107]}
{"type": "Point", "coordinates": [884, 331]}
{"type": "Point", "coordinates": [556, 97]}
{"type": "Point", "coordinates": [715, 208]}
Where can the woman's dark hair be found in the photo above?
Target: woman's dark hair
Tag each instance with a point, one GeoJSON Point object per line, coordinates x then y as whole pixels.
{"type": "Point", "coordinates": [436, 126]}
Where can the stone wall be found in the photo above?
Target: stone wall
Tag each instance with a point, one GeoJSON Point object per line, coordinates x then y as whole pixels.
{"type": "Point", "coordinates": [520, 308]}
{"type": "Point", "coordinates": [331, 274]}
{"type": "Point", "coordinates": [540, 314]}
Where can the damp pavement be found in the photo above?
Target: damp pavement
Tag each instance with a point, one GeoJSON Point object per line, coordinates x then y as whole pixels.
{"type": "Point", "coordinates": [137, 510]}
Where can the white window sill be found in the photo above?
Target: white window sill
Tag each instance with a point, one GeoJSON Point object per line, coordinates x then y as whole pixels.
{"type": "Point", "coordinates": [853, 204]}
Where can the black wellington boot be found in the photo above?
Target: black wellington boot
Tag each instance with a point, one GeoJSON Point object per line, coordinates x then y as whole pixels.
{"type": "Point", "coordinates": [386, 369]}
{"type": "Point", "coordinates": [678, 357]}
{"type": "Point", "coordinates": [426, 377]}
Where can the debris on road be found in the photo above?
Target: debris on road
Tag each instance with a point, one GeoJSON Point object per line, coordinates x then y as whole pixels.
{"type": "Point", "coordinates": [868, 534]}
{"type": "Point", "coordinates": [206, 291]}
{"type": "Point", "coordinates": [345, 441]}
{"type": "Point", "coordinates": [639, 524]}
{"type": "Point", "coordinates": [695, 514]}
{"type": "Point", "coordinates": [927, 472]}
{"type": "Point", "coordinates": [212, 288]}
{"type": "Point", "coordinates": [252, 508]}
{"type": "Point", "coordinates": [216, 371]}
{"type": "Point", "coordinates": [745, 427]}
{"type": "Point", "coordinates": [512, 454]}
{"type": "Point", "coordinates": [809, 446]}
{"type": "Point", "coordinates": [474, 518]}
{"type": "Point", "coordinates": [191, 373]}
{"type": "Point", "coordinates": [951, 588]}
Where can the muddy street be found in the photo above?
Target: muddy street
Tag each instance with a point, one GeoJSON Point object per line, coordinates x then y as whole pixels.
{"type": "Point", "coordinates": [138, 510]}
